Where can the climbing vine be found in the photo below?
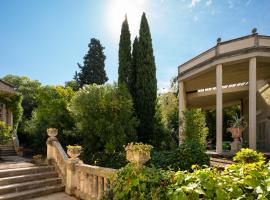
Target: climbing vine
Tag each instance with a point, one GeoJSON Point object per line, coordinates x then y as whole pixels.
{"type": "Point", "coordinates": [14, 102]}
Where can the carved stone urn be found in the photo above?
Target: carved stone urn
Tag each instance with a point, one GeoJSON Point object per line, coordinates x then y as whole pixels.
{"type": "Point", "coordinates": [74, 151]}
{"type": "Point", "coordinates": [52, 132]}
{"type": "Point", "coordinates": [138, 153]}
{"type": "Point", "coordinates": [236, 135]}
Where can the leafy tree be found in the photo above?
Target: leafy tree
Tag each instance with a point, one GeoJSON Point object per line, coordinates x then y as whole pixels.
{"type": "Point", "coordinates": [169, 112]}
{"type": "Point", "coordinates": [195, 126]}
{"type": "Point", "coordinates": [104, 118]}
{"type": "Point", "coordinates": [146, 84]}
{"type": "Point", "coordinates": [29, 90]}
{"type": "Point", "coordinates": [51, 112]}
{"type": "Point", "coordinates": [92, 71]}
{"type": "Point", "coordinates": [124, 55]}
{"type": "Point", "coordinates": [72, 84]}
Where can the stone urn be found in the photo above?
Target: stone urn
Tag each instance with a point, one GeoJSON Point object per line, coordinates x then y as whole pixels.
{"type": "Point", "coordinates": [138, 153]}
{"type": "Point", "coordinates": [52, 132]}
{"type": "Point", "coordinates": [236, 135]}
{"type": "Point", "coordinates": [74, 151]}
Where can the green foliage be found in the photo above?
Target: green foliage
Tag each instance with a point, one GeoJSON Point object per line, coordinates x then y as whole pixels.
{"type": "Point", "coordinates": [183, 157]}
{"type": "Point", "coordinates": [5, 133]}
{"type": "Point", "coordinates": [124, 55]}
{"type": "Point", "coordinates": [29, 90]}
{"type": "Point", "coordinates": [238, 122]}
{"type": "Point", "coordinates": [142, 183]}
{"type": "Point", "coordinates": [248, 156]}
{"type": "Point", "coordinates": [195, 126]}
{"type": "Point", "coordinates": [104, 118]}
{"type": "Point", "coordinates": [14, 102]}
{"type": "Point", "coordinates": [113, 160]}
{"type": "Point", "coordinates": [92, 71]}
{"type": "Point", "coordinates": [51, 112]}
{"type": "Point", "coordinates": [238, 181]}
{"type": "Point", "coordinates": [133, 71]}
{"type": "Point", "coordinates": [146, 84]}
{"type": "Point", "coordinates": [138, 146]}
{"type": "Point", "coordinates": [73, 84]}
{"type": "Point", "coordinates": [170, 117]}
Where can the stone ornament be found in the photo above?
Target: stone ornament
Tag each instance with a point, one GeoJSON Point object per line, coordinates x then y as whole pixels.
{"type": "Point", "coordinates": [138, 153]}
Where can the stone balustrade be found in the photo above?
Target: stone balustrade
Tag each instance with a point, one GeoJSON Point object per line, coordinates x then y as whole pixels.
{"type": "Point", "coordinates": [80, 180]}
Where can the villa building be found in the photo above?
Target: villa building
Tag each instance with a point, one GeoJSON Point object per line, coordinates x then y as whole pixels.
{"type": "Point", "coordinates": [234, 72]}
{"type": "Point", "coordinates": [5, 111]}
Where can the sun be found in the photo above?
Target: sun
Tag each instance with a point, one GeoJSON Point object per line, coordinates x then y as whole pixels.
{"type": "Point", "coordinates": [116, 11]}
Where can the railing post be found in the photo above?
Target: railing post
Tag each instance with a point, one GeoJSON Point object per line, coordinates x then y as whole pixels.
{"type": "Point", "coordinates": [52, 133]}
{"type": "Point", "coordinates": [72, 175]}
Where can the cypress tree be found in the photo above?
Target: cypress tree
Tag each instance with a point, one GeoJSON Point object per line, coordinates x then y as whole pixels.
{"type": "Point", "coordinates": [92, 71]}
{"type": "Point", "coordinates": [146, 84]}
{"type": "Point", "coordinates": [133, 71]}
{"type": "Point", "coordinates": [124, 55]}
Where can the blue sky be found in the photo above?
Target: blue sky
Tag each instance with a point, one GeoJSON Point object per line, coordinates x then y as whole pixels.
{"type": "Point", "coordinates": [45, 39]}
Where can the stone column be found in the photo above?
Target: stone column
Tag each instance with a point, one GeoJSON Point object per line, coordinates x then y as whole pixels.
{"type": "Point", "coordinates": [182, 107]}
{"type": "Point", "coordinates": [252, 103]}
{"type": "Point", "coordinates": [52, 133]}
{"type": "Point", "coordinates": [72, 176]}
{"type": "Point", "coordinates": [219, 106]}
{"type": "Point", "coordinates": [4, 113]}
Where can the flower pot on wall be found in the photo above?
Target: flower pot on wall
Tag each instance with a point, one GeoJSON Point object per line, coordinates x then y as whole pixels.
{"type": "Point", "coordinates": [138, 153]}
{"type": "Point", "coordinates": [74, 152]}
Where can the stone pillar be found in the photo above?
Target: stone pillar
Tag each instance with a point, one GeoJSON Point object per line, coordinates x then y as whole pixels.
{"type": "Point", "coordinates": [252, 103]}
{"type": "Point", "coordinates": [182, 107]}
{"type": "Point", "coordinates": [219, 106]}
{"type": "Point", "coordinates": [72, 176]}
{"type": "Point", "coordinates": [52, 133]}
{"type": "Point", "coordinates": [4, 113]}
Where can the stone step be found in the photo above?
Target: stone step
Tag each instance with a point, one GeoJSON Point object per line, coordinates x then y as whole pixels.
{"type": "Point", "coordinates": [33, 193]}
{"type": "Point", "coordinates": [26, 178]}
{"type": "Point", "coordinates": [25, 171]}
{"type": "Point", "coordinates": [20, 187]}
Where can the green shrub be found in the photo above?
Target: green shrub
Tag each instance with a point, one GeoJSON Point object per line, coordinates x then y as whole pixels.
{"type": "Point", "coordinates": [143, 183]}
{"type": "Point", "coordinates": [104, 118]}
{"type": "Point", "coordinates": [113, 160]}
{"type": "Point", "coordinates": [248, 156]}
{"type": "Point", "coordinates": [188, 154]}
{"type": "Point", "coordinates": [238, 181]}
{"type": "Point", "coordinates": [5, 132]}
{"type": "Point", "coordinates": [195, 126]}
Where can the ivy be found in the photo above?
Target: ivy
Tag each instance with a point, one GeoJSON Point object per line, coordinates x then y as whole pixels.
{"type": "Point", "coordinates": [14, 102]}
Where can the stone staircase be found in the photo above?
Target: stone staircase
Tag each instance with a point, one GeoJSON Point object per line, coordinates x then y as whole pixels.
{"type": "Point", "coordinates": [29, 182]}
{"type": "Point", "coordinates": [7, 150]}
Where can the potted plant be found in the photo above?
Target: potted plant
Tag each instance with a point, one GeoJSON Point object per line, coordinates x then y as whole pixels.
{"type": "Point", "coordinates": [138, 153]}
{"type": "Point", "coordinates": [238, 125]}
{"type": "Point", "coordinates": [74, 151]}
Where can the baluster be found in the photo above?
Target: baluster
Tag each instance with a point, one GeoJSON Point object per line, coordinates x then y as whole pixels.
{"type": "Point", "coordinates": [106, 185]}
{"type": "Point", "coordinates": [95, 186]}
{"type": "Point", "coordinates": [100, 186]}
{"type": "Point", "coordinates": [81, 185]}
{"type": "Point", "coordinates": [90, 181]}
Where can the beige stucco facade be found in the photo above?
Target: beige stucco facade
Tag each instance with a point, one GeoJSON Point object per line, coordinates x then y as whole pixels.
{"type": "Point", "coordinates": [233, 72]}
{"type": "Point", "coordinates": [5, 111]}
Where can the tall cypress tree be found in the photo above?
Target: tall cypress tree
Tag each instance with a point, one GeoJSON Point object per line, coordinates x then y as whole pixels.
{"type": "Point", "coordinates": [146, 84]}
{"type": "Point", "coordinates": [92, 70]}
{"type": "Point", "coordinates": [124, 55]}
{"type": "Point", "coordinates": [133, 71]}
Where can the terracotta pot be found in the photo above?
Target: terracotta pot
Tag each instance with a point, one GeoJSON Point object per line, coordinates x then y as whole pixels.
{"type": "Point", "coordinates": [52, 132]}
{"type": "Point", "coordinates": [236, 132]}
{"type": "Point", "coordinates": [138, 157]}
{"type": "Point", "coordinates": [74, 153]}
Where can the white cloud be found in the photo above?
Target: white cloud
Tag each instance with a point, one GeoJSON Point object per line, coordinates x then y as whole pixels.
{"type": "Point", "coordinates": [208, 2]}
{"type": "Point", "coordinates": [194, 3]}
